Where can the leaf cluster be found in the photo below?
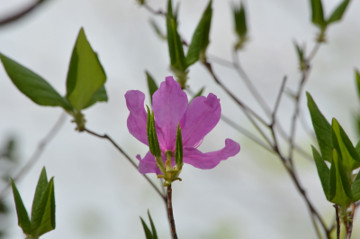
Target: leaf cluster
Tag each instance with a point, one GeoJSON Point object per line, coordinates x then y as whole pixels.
{"type": "Point", "coordinates": [43, 208]}
{"type": "Point", "coordinates": [180, 62]}
{"type": "Point", "coordinates": [319, 20]}
{"type": "Point", "coordinates": [340, 183]}
{"type": "Point", "coordinates": [150, 233]}
{"type": "Point", "coordinates": [84, 85]}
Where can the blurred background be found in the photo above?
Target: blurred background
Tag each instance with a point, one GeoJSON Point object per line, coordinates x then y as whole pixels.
{"type": "Point", "coordinates": [98, 193]}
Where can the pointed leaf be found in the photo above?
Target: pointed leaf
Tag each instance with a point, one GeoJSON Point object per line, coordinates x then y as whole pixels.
{"type": "Point", "coordinates": [179, 149]}
{"type": "Point", "coordinates": [357, 80]}
{"type": "Point", "coordinates": [357, 148]}
{"type": "Point", "coordinates": [36, 211]}
{"type": "Point", "coordinates": [47, 222]}
{"type": "Point", "coordinates": [338, 13]}
{"type": "Point", "coordinates": [147, 231]}
{"type": "Point", "coordinates": [355, 188]}
{"type": "Point", "coordinates": [86, 74]}
{"type": "Point", "coordinates": [339, 182]}
{"type": "Point", "coordinates": [23, 217]}
{"type": "Point", "coordinates": [199, 93]}
{"type": "Point", "coordinates": [153, 229]}
{"type": "Point", "coordinates": [323, 172]}
{"type": "Point", "coordinates": [152, 136]}
{"type": "Point", "coordinates": [240, 21]}
{"type": "Point", "coordinates": [33, 85]}
{"type": "Point", "coordinates": [322, 129]}
{"type": "Point", "coordinates": [176, 51]}
{"type": "Point", "coordinates": [317, 13]}
{"type": "Point", "coordinates": [152, 86]}
{"type": "Point", "coordinates": [350, 157]}
{"type": "Point", "coordinates": [157, 30]}
{"type": "Point", "coordinates": [200, 38]}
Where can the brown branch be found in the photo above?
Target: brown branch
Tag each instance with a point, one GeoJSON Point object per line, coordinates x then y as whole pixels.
{"type": "Point", "coordinates": [246, 110]}
{"type": "Point", "coordinates": [153, 11]}
{"type": "Point", "coordinates": [107, 137]}
{"type": "Point", "coordinates": [170, 213]}
{"type": "Point", "coordinates": [338, 226]}
{"type": "Point", "coordinates": [24, 12]}
{"type": "Point", "coordinates": [313, 212]}
{"type": "Point", "coordinates": [249, 84]}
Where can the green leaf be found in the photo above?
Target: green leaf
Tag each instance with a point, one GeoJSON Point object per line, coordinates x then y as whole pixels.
{"type": "Point", "coordinates": [322, 129]}
{"type": "Point", "coordinates": [339, 183]}
{"type": "Point", "coordinates": [350, 157]}
{"type": "Point", "coordinates": [99, 96]}
{"type": "Point", "coordinates": [200, 38]}
{"type": "Point", "coordinates": [240, 21]}
{"type": "Point", "coordinates": [300, 50]}
{"type": "Point", "coordinates": [355, 188]}
{"type": "Point", "coordinates": [157, 30]}
{"type": "Point", "coordinates": [317, 13]}
{"type": "Point", "coordinates": [47, 222]}
{"type": "Point", "coordinates": [153, 229]}
{"type": "Point", "coordinates": [323, 172]}
{"type": "Point", "coordinates": [23, 217]}
{"type": "Point", "coordinates": [357, 80]}
{"type": "Point", "coordinates": [85, 76]}
{"type": "Point", "coordinates": [37, 211]}
{"type": "Point", "coordinates": [176, 51]}
{"type": "Point", "coordinates": [338, 13]}
{"type": "Point", "coordinates": [357, 147]}
{"type": "Point", "coordinates": [179, 149]}
{"type": "Point", "coordinates": [150, 234]}
{"type": "Point", "coordinates": [199, 93]}
{"type": "Point", "coordinates": [152, 86]}
{"type": "Point", "coordinates": [147, 231]}
{"type": "Point", "coordinates": [151, 134]}
{"type": "Point", "coordinates": [33, 85]}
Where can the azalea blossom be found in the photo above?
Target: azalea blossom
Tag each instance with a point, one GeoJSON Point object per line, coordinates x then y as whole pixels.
{"type": "Point", "coordinates": [171, 108]}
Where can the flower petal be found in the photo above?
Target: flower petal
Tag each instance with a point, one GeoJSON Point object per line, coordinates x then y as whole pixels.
{"type": "Point", "coordinates": [169, 104]}
{"type": "Point", "coordinates": [148, 164]}
{"type": "Point", "coordinates": [200, 118]}
{"type": "Point", "coordinates": [210, 160]}
{"type": "Point", "coordinates": [137, 119]}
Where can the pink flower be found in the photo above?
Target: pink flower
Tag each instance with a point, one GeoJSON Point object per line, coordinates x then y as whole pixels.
{"type": "Point", "coordinates": [170, 106]}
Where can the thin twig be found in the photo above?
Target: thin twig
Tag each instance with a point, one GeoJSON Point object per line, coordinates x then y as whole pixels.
{"type": "Point", "coordinates": [278, 99]}
{"type": "Point", "coordinates": [153, 11]}
{"type": "Point", "coordinates": [37, 153]}
{"type": "Point", "coordinates": [338, 226]}
{"type": "Point", "coordinates": [313, 212]}
{"type": "Point", "coordinates": [21, 14]}
{"type": "Point", "coordinates": [170, 213]}
{"type": "Point", "coordinates": [247, 111]}
{"type": "Point", "coordinates": [249, 84]}
{"type": "Point", "coordinates": [349, 221]}
{"type": "Point", "coordinates": [304, 77]}
{"type": "Point", "coordinates": [246, 133]}
{"type": "Point", "coordinates": [281, 131]}
{"type": "Point", "coordinates": [301, 190]}
{"type": "Point", "coordinates": [131, 161]}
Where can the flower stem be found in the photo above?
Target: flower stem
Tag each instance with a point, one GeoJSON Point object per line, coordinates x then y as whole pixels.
{"type": "Point", "coordinates": [170, 213]}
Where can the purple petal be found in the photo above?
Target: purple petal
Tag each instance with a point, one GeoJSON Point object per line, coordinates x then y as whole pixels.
{"type": "Point", "coordinates": [200, 118]}
{"type": "Point", "coordinates": [210, 160]}
{"type": "Point", "coordinates": [148, 164]}
{"type": "Point", "coordinates": [137, 119]}
{"type": "Point", "coordinates": [169, 104]}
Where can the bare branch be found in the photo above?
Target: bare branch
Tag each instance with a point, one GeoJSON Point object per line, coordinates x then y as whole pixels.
{"type": "Point", "coordinates": [132, 162]}
{"type": "Point", "coordinates": [22, 13]}
{"type": "Point", "coordinates": [37, 153]}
